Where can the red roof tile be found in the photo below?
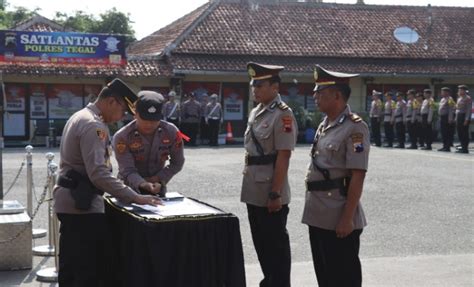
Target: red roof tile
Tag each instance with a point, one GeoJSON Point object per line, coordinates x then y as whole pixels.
{"type": "Point", "coordinates": [305, 65]}
{"type": "Point", "coordinates": [333, 30]}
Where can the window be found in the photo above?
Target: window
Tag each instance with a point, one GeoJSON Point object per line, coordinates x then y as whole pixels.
{"type": "Point", "coordinates": [406, 35]}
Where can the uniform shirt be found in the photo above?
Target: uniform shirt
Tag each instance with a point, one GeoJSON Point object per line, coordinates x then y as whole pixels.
{"type": "Point", "coordinates": [410, 111]}
{"type": "Point", "coordinates": [85, 147]}
{"type": "Point", "coordinates": [389, 108]}
{"type": "Point", "coordinates": [416, 111]}
{"type": "Point", "coordinates": [191, 112]}
{"type": "Point", "coordinates": [446, 107]}
{"type": "Point", "coordinates": [342, 145]}
{"type": "Point", "coordinates": [171, 111]}
{"type": "Point", "coordinates": [376, 108]}
{"type": "Point", "coordinates": [464, 106]}
{"type": "Point", "coordinates": [138, 157]}
{"type": "Point", "coordinates": [400, 111]}
{"type": "Point", "coordinates": [427, 108]}
{"type": "Point", "coordinates": [213, 113]}
{"type": "Point", "coordinates": [275, 128]}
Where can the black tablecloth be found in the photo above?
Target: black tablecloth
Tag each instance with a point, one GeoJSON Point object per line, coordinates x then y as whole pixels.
{"type": "Point", "coordinates": [185, 251]}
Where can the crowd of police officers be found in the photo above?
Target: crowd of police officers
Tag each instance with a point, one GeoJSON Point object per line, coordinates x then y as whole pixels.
{"type": "Point", "coordinates": [415, 116]}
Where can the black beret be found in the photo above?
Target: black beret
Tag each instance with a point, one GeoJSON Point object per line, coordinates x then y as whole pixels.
{"type": "Point", "coordinates": [149, 105]}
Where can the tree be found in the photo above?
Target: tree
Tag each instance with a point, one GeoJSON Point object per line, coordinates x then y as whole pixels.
{"type": "Point", "coordinates": [9, 19]}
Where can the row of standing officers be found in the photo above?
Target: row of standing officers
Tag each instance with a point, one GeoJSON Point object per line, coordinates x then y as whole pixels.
{"type": "Point", "coordinates": [416, 116]}
{"type": "Point", "coordinates": [195, 117]}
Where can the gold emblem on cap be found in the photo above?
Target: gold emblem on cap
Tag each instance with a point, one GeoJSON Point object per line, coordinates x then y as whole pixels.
{"type": "Point", "coordinates": [152, 110]}
{"type": "Point", "coordinates": [251, 72]}
{"type": "Point", "coordinates": [315, 75]}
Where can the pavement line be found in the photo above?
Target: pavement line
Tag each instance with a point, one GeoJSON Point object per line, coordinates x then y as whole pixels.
{"type": "Point", "coordinates": [430, 154]}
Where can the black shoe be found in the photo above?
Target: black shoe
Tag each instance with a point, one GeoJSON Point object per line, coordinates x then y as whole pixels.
{"type": "Point", "coordinates": [444, 149]}
{"type": "Point", "coordinates": [421, 145]}
{"type": "Point", "coordinates": [412, 147]}
{"type": "Point", "coordinates": [399, 146]}
{"type": "Point", "coordinates": [426, 148]}
{"type": "Point", "coordinates": [387, 145]}
{"type": "Point", "coordinates": [462, 151]}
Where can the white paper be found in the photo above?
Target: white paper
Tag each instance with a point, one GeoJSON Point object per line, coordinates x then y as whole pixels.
{"type": "Point", "coordinates": [179, 207]}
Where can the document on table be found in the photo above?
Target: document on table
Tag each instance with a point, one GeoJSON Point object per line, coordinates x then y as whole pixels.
{"type": "Point", "coordinates": [181, 207]}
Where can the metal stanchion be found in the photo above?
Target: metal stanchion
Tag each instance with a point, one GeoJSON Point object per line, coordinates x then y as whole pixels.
{"type": "Point", "coordinates": [51, 274]}
{"type": "Point", "coordinates": [37, 232]}
{"type": "Point", "coordinates": [48, 250]}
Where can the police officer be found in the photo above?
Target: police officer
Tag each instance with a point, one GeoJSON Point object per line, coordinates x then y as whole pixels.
{"type": "Point", "coordinates": [410, 118]}
{"type": "Point", "coordinates": [417, 117]}
{"type": "Point", "coordinates": [427, 118]}
{"type": "Point", "coordinates": [446, 112]}
{"type": "Point", "coordinates": [85, 173]}
{"type": "Point", "coordinates": [214, 118]}
{"type": "Point", "coordinates": [463, 118]}
{"type": "Point", "coordinates": [399, 115]}
{"type": "Point", "coordinates": [191, 118]}
{"type": "Point", "coordinates": [171, 109]}
{"type": "Point", "coordinates": [388, 119]}
{"type": "Point", "coordinates": [334, 181]}
{"type": "Point", "coordinates": [203, 126]}
{"type": "Point", "coordinates": [375, 115]}
{"type": "Point", "coordinates": [269, 139]}
{"type": "Point", "coordinates": [149, 151]}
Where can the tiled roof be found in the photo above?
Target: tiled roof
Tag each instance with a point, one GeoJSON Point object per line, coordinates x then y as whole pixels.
{"type": "Point", "coordinates": [155, 43]}
{"type": "Point", "coordinates": [38, 23]}
{"type": "Point", "coordinates": [305, 65]}
{"type": "Point", "coordinates": [323, 30]}
{"type": "Point", "coordinates": [134, 68]}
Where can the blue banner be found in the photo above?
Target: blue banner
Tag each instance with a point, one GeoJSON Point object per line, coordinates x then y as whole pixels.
{"type": "Point", "coordinates": [62, 48]}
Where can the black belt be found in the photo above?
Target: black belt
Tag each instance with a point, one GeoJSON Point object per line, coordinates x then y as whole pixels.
{"type": "Point", "coordinates": [68, 182]}
{"type": "Point", "coordinates": [325, 185]}
{"type": "Point", "coordinates": [399, 116]}
{"type": "Point", "coordinates": [260, 159]}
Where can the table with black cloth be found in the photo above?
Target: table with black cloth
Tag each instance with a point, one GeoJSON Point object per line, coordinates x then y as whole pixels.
{"type": "Point", "coordinates": [172, 251]}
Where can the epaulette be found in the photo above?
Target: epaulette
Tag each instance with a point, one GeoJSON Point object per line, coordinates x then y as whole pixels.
{"type": "Point", "coordinates": [355, 118]}
{"type": "Point", "coordinates": [282, 106]}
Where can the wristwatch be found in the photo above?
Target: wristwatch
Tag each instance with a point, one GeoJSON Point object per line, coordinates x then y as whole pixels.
{"type": "Point", "coordinates": [273, 195]}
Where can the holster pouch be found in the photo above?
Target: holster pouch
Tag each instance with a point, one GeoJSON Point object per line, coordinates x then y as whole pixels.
{"type": "Point", "coordinates": [82, 189]}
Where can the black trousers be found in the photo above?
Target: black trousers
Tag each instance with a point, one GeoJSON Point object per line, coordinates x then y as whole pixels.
{"type": "Point", "coordinates": [388, 128]}
{"type": "Point", "coordinates": [400, 128]}
{"type": "Point", "coordinates": [445, 131]}
{"type": "Point", "coordinates": [411, 127]}
{"type": "Point", "coordinates": [81, 250]}
{"type": "Point", "coordinates": [463, 131]}
{"type": "Point", "coordinates": [272, 244]}
{"type": "Point", "coordinates": [213, 131]}
{"type": "Point", "coordinates": [419, 134]}
{"type": "Point", "coordinates": [336, 260]}
{"type": "Point", "coordinates": [375, 126]}
{"type": "Point", "coordinates": [203, 130]}
{"type": "Point", "coordinates": [426, 130]}
{"type": "Point", "coordinates": [191, 130]}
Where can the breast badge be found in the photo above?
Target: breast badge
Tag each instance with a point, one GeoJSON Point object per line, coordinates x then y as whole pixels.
{"type": "Point", "coordinates": [120, 147]}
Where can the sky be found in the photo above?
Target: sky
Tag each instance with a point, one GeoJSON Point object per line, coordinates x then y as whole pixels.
{"type": "Point", "coordinates": [149, 16]}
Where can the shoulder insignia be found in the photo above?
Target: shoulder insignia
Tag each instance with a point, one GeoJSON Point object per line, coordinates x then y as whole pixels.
{"type": "Point", "coordinates": [273, 105]}
{"type": "Point", "coordinates": [282, 106]}
{"type": "Point", "coordinates": [355, 118]}
{"type": "Point", "coordinates": [120, 147]}
{"type": "Point", "coordinates": [357, 142]}
{"type": "Point", "coordinates": [287, 124]}
{"type": "Point", "coordinates": [101, 134]}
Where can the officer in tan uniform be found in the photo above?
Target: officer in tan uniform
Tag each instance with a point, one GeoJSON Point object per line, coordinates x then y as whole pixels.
{"type": "Point", "coordinates": [410, 118]}
{"type": "Point", "coordinates": [463, 118]}
{"type": "Point", "coordinates": [191, 118]}
{"type": "Point", "coordinates": [399, 119]}
{"type": "Point", "coordinates": [427, 109]}
{"type": "Point", "coordinates": [269, 139]}
{"type": "Point", "coordinates": [214, 118]}
{"type": "Point", "coordinates": [85, 173]}
{"type": "Point", "coordinates": [388, 119]}
{"type": "Point", "coordinates": [334, 181]}
{"type": "Point", "coordinates": [376, 111]}
{"type": "Point", "coordinates": [171, 109]}
{"type": "Point", "coordinates": [446, 111]}
{"type": "Point", "coordinates": [417, 117]}
{"type": "Point", "coordinates": [203, 126]}
{"type": "Point", "coordinates": [149, 151]}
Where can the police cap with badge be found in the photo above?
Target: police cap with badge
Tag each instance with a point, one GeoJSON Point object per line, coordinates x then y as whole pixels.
{"type": "Point", "coordinates": [324, 79]}
{"type": "Point", "coordinates": [260, 72]}
{"type": "Point", "coordinates": [149, 105]}
{"type": "Point", "coordinates": [119, 88]}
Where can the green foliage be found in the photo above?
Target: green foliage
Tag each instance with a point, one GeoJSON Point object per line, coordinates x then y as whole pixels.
{"type": "Point", "coordinates": [9, 19]}
{"type": "Point", "coordinates": [299, 113]}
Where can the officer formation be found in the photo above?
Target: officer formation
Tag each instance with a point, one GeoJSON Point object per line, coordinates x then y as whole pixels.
{"type": "Point", "coordinates": [415, 116]}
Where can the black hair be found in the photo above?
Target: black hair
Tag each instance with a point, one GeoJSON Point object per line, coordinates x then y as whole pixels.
{"type": "Point", "coordinates": [345, 91]}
